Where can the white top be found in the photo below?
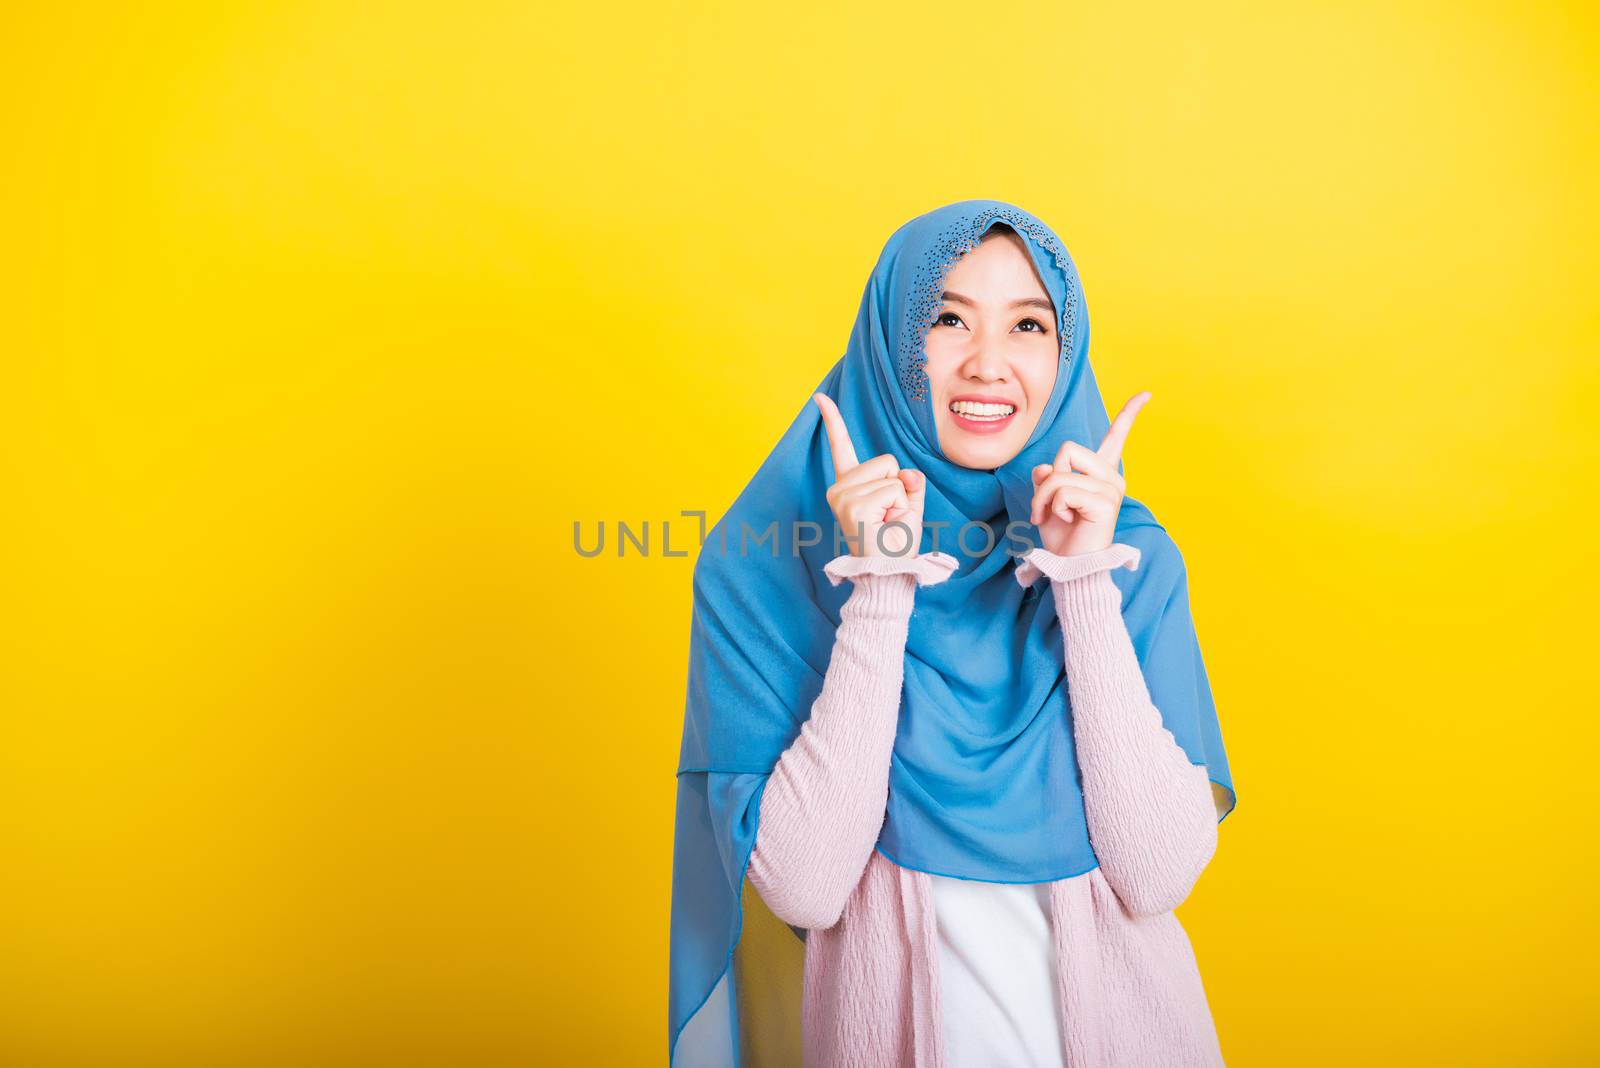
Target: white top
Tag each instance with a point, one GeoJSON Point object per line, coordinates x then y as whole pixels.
{"type": "Point", "coordinates": [997, 974]}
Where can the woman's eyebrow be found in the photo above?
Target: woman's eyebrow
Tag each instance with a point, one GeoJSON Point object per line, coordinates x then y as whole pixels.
{"type": "Point", "coordinates": [1035, 302]}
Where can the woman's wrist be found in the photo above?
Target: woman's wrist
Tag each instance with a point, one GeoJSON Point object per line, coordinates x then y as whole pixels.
{"type": "Point", "coordinates": [927, 569]}
{"type": "Point", "coordinates": [1039, 562]}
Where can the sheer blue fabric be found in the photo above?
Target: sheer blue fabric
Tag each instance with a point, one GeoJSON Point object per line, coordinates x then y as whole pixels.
{"type": "Point", "coordinates": [984, 780]}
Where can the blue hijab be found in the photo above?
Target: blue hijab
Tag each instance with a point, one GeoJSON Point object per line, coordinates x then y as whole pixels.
{"type": "Point", "coordinates": [984, 781]}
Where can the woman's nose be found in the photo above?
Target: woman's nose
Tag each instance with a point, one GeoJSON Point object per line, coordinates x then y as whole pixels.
{"type": "Point", "coordinates": [985, 362]}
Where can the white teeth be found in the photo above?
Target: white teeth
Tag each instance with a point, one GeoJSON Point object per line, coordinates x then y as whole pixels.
{"type": "Point", "coordinates": [982, 411]}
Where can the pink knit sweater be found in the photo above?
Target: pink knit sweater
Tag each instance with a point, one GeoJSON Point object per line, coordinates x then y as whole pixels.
{"type": "Point", "coordinates": [1129, 989]}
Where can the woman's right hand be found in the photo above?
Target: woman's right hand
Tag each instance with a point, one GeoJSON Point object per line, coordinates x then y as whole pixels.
{"type": "Point", "coordinates": [865, 497]}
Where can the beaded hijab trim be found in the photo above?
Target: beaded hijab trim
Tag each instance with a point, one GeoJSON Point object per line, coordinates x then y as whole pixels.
{"type": "Point", "coordinates": [956, 241]}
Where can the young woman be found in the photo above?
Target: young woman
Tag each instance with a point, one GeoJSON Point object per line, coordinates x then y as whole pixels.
{"type": "Point", "coordinates": [977, 802]}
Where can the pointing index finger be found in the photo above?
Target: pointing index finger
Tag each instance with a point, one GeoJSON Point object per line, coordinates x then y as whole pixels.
{"type": "Point", "coordinates": [844, 451]}
{"type": "Point", "coordinates": [1117, 436]}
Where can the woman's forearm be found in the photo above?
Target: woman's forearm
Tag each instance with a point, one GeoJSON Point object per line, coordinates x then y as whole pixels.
{"type": "Point", "coordinates": [822, 807]}
{"type": "Point", "coordinates": [1151, 817]}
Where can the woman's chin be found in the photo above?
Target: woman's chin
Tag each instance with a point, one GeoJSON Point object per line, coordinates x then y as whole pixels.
{"type": "Point", "coordinates": [980, 452]}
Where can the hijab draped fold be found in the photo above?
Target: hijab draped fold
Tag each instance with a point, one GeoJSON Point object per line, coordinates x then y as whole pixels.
{"type": "Point", "coordinates": [984, 781]}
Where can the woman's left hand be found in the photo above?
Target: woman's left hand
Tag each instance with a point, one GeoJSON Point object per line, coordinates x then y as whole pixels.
{"type": "Point", "coordinates": [1076, 500]}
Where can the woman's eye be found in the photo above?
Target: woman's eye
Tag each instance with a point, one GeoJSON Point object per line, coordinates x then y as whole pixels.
{"type": "Point", "coordinates": [955, 320]}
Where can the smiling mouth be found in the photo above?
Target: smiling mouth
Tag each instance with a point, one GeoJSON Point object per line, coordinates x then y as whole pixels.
{"type": "Point", "coordinates": [982, 417]}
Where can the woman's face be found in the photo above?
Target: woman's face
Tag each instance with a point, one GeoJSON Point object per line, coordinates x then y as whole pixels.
{"type": "Point", "coordinates": [992, 354]}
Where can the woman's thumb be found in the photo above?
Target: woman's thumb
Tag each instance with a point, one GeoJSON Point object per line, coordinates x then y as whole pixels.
{"type": "Point", "coordinates": [916, 487]}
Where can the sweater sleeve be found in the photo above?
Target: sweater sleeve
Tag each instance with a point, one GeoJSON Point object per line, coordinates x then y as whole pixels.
{"type": "Point", "coordinates": [823, 805]}
{"type": "Point", "coordinates": [1150, 812]}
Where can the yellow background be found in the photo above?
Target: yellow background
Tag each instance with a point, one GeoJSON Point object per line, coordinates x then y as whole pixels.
{"type": "Point", "coordinates": [325, 321]}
